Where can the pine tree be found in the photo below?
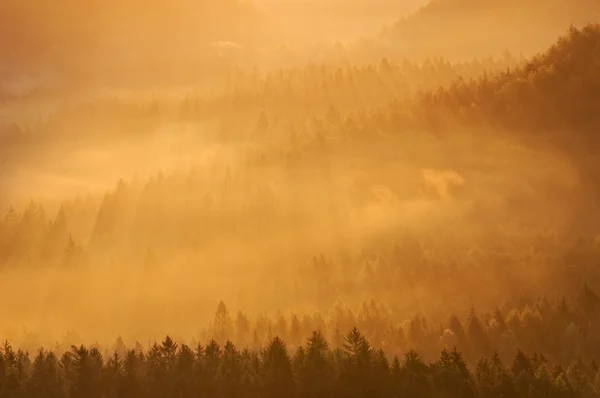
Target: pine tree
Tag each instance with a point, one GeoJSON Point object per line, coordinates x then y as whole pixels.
{"type": "Point", "coordinates": [277, 370]}
{"type": "Point", "coordinates": [223, 325]}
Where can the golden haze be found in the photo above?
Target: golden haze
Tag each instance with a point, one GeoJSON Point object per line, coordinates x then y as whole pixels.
{"type": "Point", "coordinates": [159, 157]}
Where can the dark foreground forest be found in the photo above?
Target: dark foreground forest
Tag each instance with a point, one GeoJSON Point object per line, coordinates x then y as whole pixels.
{"type": "Point", "coordinates": [315, 369]}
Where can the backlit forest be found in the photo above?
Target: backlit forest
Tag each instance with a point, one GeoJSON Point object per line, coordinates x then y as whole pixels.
{"type": "Point", "coordinates": [281, 198]}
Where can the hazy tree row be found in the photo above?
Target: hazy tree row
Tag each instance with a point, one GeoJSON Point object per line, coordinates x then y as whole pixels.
{"type": "Point", "coordinates": [554, 91]}
{"type": "Point", "coordinates": [295, 93]}
{"type": "Point", "coordinates": [269, 198]}
{"type": "Point", "coordinates": [564, 329]}
{"type": "Point", "coordinates": [353, 87]}
{"type": "Point", "coordinates": [146, 223]}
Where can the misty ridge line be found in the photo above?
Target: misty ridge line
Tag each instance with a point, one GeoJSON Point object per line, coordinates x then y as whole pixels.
{"type": "Point", "coordinates": [77, 50]}
{"type": "Point", "coordinates": [507, 329]}
{"type": "Point", "coordinates": [113, 118]}
{"type": "Point", "coordinates": [240, 90]}
{"type": "Point", "coordinates": [326, 366]}
{"type": "Point", "coordinates": [190, 109]}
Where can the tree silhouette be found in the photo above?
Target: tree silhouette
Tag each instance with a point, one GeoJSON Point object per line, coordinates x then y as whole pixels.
{"type": "Point", "coordinates": [223, 325]}
{"type": "Point", "coordinates": [277, 370]}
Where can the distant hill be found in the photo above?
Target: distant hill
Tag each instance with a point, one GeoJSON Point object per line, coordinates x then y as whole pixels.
{"type": "Point", "coordinates": [68, 36]}
{"type": "Point", "coordinates": [557, 90]}
{"type": "Point", "coordinates": [550, 103]}
{"type": "Point", "coordinates": [327, 20]}
{"type": "Point", "coordinates": [467, 28]}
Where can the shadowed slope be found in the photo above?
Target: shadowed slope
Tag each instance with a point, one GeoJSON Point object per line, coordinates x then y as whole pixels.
{"type": "Point", "coordinates": [463, 28]}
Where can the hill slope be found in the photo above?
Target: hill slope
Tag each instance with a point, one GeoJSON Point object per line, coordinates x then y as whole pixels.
{"type": "Point", "coordinates": [69, 36]}
{"type": "Point", "coordinates": [333, 19]}
{"type": "Point", "coordinates": [465, 28]}
{"type": "Point", "coordinates": [550, 104]}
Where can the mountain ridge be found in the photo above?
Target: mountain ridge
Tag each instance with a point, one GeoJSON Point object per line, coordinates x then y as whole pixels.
{"type": "Point", "coordinates": [471, 27]}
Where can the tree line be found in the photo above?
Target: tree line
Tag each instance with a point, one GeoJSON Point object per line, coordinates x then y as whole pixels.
{"type": "Point", "coordinates": [297, 92]}
{"type": "Point", "coordinates": [148, 223]}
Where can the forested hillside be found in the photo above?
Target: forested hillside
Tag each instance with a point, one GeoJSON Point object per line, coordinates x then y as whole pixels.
{"type": "Point", "coordinates": [398, 193]}
{"type": "Point", "coordinates": [36, 124]}
{"type": "Point", "coordinates": [471, 27]}
{"type": "Point", "coordinates": [551, 102]}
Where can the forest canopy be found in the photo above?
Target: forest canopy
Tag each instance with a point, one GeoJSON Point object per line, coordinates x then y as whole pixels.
{"type": "Point", "coordinates": [479, 28]}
